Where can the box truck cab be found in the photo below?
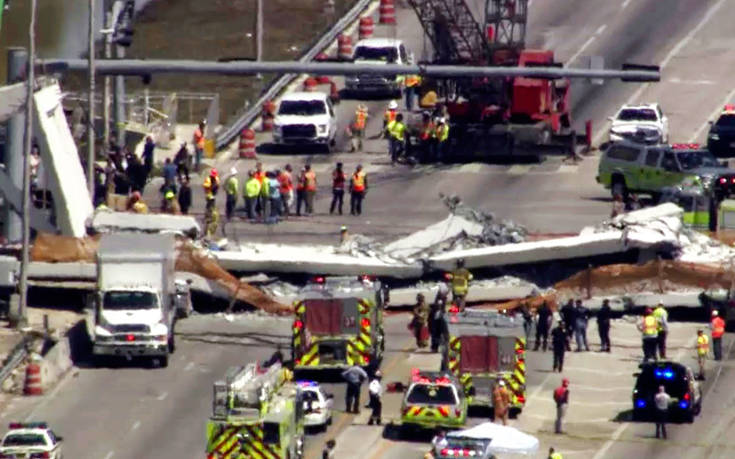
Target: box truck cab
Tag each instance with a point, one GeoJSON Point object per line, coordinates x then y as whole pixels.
{"type": "Point", "coordinates": [134, 305]}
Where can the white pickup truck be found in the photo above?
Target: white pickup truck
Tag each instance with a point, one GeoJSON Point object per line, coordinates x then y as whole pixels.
{"type": "Point", "coordinates": [305, 118]}
{"type": "Point", "coordinates": [378, 51]}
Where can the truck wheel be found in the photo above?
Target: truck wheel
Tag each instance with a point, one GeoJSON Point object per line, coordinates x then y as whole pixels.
{"type": "Point", "coordinates": [162, 361]}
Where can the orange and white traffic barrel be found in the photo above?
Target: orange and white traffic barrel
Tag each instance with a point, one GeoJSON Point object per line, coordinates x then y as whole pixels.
{"type": "Point", "coordinates": [247, 144]}
{"type": "Point", "coordinates": [323, 79]}
{"type": "Point", "coordinates": [344, 47]}
{"type": "Point", "coordinates": [387, 12]}
{"type": "Point", "coordinates": [33, 380]}
{"type": "Point", "coordinates": [267, 115]}
{"type": "Point", "coordinates": [366, 28]}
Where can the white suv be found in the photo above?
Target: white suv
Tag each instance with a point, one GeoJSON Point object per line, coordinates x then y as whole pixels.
{"type": "Point", "coordinates": [644, 123]}
{"type": "Point", "coordinates": [378, 51]}
{"type": "Point", "coordinates": [305, 118]}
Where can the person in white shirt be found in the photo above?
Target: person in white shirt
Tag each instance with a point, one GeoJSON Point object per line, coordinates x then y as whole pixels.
{"type": "Point", "coordinates": [375, 390]}
{"type": "Point", "coordinates": [661, 400]}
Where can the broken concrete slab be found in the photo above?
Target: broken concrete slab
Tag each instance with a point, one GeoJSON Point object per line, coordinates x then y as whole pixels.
{"type": "Point", "coordinates": [105, 221]}
{"type": "Point", "coordinates": [490, 290]}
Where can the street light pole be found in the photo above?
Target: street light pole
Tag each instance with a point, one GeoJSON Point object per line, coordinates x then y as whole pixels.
{"type": "Point", "coordinates": [90, 126]}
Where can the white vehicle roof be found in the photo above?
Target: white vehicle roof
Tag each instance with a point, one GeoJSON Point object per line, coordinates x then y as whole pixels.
{"type": "Point", "coordinates": [649, 105]}
{"type": "Point", "coordinates": [378, 42]}
{"type": "Point", "coordinates": [297, 96]}
{"type": "Point", "coordinates": [48, 444]}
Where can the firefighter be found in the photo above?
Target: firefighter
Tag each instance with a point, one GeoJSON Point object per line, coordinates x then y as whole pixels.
{"type": "Point", "coordinates": [649, 335]}
{"type": "Point", "coordinates": [702, 351]}
{"type": "Point", "coordinates": [199, 142]}
{"type": "Point", "coordinates": [211, 184]}
{"type": "Point", "coordinates": [211, 219]}
{"type": "Point", "coordinates": [419, 322]}
{"type": "Point", "coordinates": [436, 318]}
{"type": "Point", "coordinates": [411, 91]}
{"type": "Point", "coordinates": [251, 191]}
{"type": "Point", "coordinates": [136, 204]}
{"type": "Point", "coordinates": [717, 325]}
{"type": "Point", "coordinates": [171, 206]}
{"type": "Point", "coordinates": [554, 455]}
{"type": "Point", "coordinates": [460, 278]}
{"type": "Point", "coordinates": [441, 133]}
{"type": "Point", "coordinates": [501, 402]}
{"type": "Point", "coordinates": [389, 116]}
{"type": "Point", "coordinates": [663, 327]}
{"type": "Point", "coordinates": [397, 139]}
{"type": "Point", "coordinates": [375, 389]}
{"type": "Point", "coordinates": [358, 128]}
{"type": "Point", "coordinates": [427, 137]}
{"type": "Point", "coordinates": [543, 325]}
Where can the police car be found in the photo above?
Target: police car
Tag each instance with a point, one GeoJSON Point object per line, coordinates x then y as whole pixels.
{"type": "Point", "coordinates": [31, 440]}
{"type": "Point", "coordinates": [317, 404]}
{"type": "Point", "coordinates": [680, 384]}
{"type": "Point", "coordinates": [721, 136]}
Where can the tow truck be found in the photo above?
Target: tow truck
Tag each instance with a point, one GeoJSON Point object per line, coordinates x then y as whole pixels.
{"type": "Point", "coordinates": [256, 413]}
{"type": "Point", "coordinates": [339, 323]}
{"type": "Point", "coordinates": [483, 347]}
{"type": "Point", "coordinates": [433, 399]}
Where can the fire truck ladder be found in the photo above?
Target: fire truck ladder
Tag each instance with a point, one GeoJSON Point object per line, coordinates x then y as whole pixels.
{"type": "Point", "coordinates": [449, 24]}
{"type": "Point", "coordinates": [505, 23]}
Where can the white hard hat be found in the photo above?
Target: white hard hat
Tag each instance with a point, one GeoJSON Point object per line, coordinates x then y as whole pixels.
{"type": "Point", "coordinates": [714, 313]}
{"type": "Point", "coordinates": [233, 171]}
{"type": "Point", "coordinates": [443, 288]}
{"type": "Point", "coordinates": [393, 105]}
{"type": "Point", "coordinates": [442, 120]}
{"type": "Point", "coordinates": [502, 383]}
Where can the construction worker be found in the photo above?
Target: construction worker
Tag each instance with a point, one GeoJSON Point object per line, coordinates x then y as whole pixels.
{"type": "Point", "coordinates": [211, 184]}
{"type": "Point", "coordinates": [649, 334]}
{"type": "Point", "coordinates": [543, 325]}
{"type": "Point", "coordinates": [501, 402]}
{"type": "Point", "coordinates": [198, 139]}
{"type": "Point", "coordinates": [397, 140]}
{"type": "Point", "coordinates": [702, 351]}
{"type": "Point", "coordinates": [561, 398]}
{"type": "Point", "coordinates": [358, 190]}
{"type": "Point", "coordinates": [661, 400]}
{"type": "Point", "coordinates": [412, 84]}
{"type": "Point", "coordinates": [338, 189]}
{"type": "Point", "coordinates": [211, 219]}
{"type": "Point", "coordinates": [426, 136]}
{"type": "Point", "coordinates": [264, 200]}
{"type": "Point", "coordinates": [286, 187]}
{"type": "Point", "coordinates": [420, 321]}
{"type": "Point", "coordinates": [358, 128]}
{"type": "Point", "coordinates": [559, 343]}
{"type": "Point", "coordinates": [603, 325]}
{"type": "Point", "coordinates": [136, 204]}
{"type": "Point", "coordinates": [388, 116]}
{"type": "Point", "coordinates": [441, 134]}
{"type": "Point", "coordinates": [554, 455]}
{"type": "Point", "coordinates": [375, 389]}
{"type": "Point", "coordinates": [300, 190]}
{"type": "Point", "coordinates": [310, 186]}
{"type": "Point", "coordinates": [171, 206]}
{"type": "Point", "coordinates": [274, 197]}
{"type": "Point", "coordinates": [663, 327]}
{"type": "Point", "coordinates": [232, 186]}
{"type": "Point", "coordinates": [251, 193]}
{"type": "Point", "coordinates": [717, 325]}
{"type": "Point", "coordinates": [460, 278]}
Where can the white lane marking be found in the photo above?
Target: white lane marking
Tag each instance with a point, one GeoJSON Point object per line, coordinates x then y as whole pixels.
{"type": "Point", "coordinates": [600, 29]}
{"type": "Point", "coordinates": [619, 431]}
{"type": "Point", "coordinates": [536, 391]}
{"type": "Point", "coordinates": [136, 425]}
{"type": "Point", "coordinates": [110, 454]}
{"type": "Point", "coordinates": [714, 113]}
{"type": "Point", "coordinates": [671, 54]}
{"type": "Point", "coordinates": [677, 80]}
{"type": "Point", "coordinates": [580, 51]}
{"type": "Point", "coordinates": [603, 371]}
{"type": "Point", "coordinates": [519, 169]}
{"type": "Point", "coordinates": [189, 366]}
{"type": "Point", "coordinates": [162, 396]}
{"type": "Point", "coordinates": [568, 168]}
{"type": "Point", "coordinates": [624, 5]}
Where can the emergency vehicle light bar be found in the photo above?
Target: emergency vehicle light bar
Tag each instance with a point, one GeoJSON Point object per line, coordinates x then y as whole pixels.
{"type": "Point", "coordinates": [685, 146]}
{"type": "Point", "coordinates": [28, 425]}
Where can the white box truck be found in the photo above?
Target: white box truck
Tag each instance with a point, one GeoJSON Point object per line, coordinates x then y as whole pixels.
{"type": "Point", "coordinates": [135, 304]}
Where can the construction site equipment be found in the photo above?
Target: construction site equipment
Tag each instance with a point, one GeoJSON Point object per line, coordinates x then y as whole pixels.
{"type": "Point", "coordinates": [256, 413]}
{"type": "Point", "coordinates": [339, 323]}
{"type": "Point", "coordinates": [483, 348]}
{"type": "Point", "coordinates": [433, 399]}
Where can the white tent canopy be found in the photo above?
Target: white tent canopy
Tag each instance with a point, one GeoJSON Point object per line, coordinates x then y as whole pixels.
{"type": "Point", "coordinates": [504, 439]}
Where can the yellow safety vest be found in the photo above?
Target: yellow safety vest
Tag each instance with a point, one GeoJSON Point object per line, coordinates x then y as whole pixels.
{"type": "Point", "coordinates": [358, 181]}
{"type": "Point", "coordinates": [442, 132]}
{"type": "Point", "coordinates": [660, 314]}
{"type": "Point", "coordinates": [650, 326]}
{"type": "Point", "coordinates": [556, 456]}
{"type": "Point", "coordinates": [702, 345]}
{"type": "Point", "coordinates": [397, 130]}
{"type": "Point", "coordinates": [460, 281]}
{"type": "Point", "coordinates": [252, 188]}
{"type": "Point", "coordinates": [140, 208]}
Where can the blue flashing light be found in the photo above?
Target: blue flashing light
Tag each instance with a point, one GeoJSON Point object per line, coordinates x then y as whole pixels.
{"type": "Point", "coordinates": [658, 373]}
{"type": "Point", "coordinates": [640, 403]}
{"type": "Point", "coordinates": [683, 404]}
{"type": "Point", "coordinates": [307, 383]}
{"type": "Point", "coordinates": [668, 374]}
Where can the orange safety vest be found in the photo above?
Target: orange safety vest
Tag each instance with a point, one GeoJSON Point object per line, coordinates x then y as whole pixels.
{"type": "Point", "coordinates": [358, 181]}
{"type": "Point", "coordinates": [702, 345]}
{"type": "Point", "coordinates": [301, 184]}
{"type": "Point", "coordinates": [360, 118]}
{"type": "Point", "coordinates": [412, 80]}
{"type": "Point", "coordinates": [428, 131]}
{"type": "Point", "coordinates": [718, 327]}
{"type": "Point", "coordinates": [199, 138]}
{"type": "Point", "coordinates": [310, 178]}
{"type": "Point", "coordinates": [260, 175]}
{"type": "Point", "coordinates": [650, 326]}
{"type": "Point", "coordinates": [390, 115]}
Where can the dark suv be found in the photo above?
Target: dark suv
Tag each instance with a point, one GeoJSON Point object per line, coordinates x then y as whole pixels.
{"type": "Point", "coordinates": [680, 384]}
{"type": "Point", "coordinates": [721, 137]}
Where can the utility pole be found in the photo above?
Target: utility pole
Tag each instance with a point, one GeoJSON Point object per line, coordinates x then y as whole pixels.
{"type": "Point", "coordinates": [108, 54]}
{"type": "Point", "coordinates": [17, 67]}
{"type": "Point", "coordinates": [90, 123]}
{"type": "Point", "coordinates": [119, 81]}
{"type": "Point", "coordinates": [23, 304]}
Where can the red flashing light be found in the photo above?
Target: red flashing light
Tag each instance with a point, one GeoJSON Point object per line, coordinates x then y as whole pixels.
{"type": "Point", "coordinates": [686, 396]}
{"type": "Point", "coordinates": [445, 452]}
{"type": "Point", "coordinates": [365, 322]}
{"type": "Point", "coordinates": [729, 107]}
{"type": "Point", "coordinates": [297, 324]}
{"type": "Point", "coordinates": [521, 399]}
{"type": "Point", "coordinates": [723, 180]}
{"type": "Point", "coordinates": [732, 180]}
{"type": "Point", "coordinates": [366, 358]}
{"type": "Point", "coordinates": [448, 276]}
{"type": "Point", "coordinates": [319, 279]}
{"type": "Point", "coordinates": [442, 380]}
{"type": "Point", "coordinates": [366, 278]}
{"type": "Point", "coordinates": [444, 411]}
{"type": "Point", "coordinates": [298, 361]}
{"type": "Point", "coordinates": [43, 455]}
{"type": "Point", "coordinates": [129, 338]}
{"type": "Point", "coordinates": [520, 351]}
{"type": "Point", "coordinates": [15, 425]}
{"type": "Point", "coordinates": [454, 309]}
